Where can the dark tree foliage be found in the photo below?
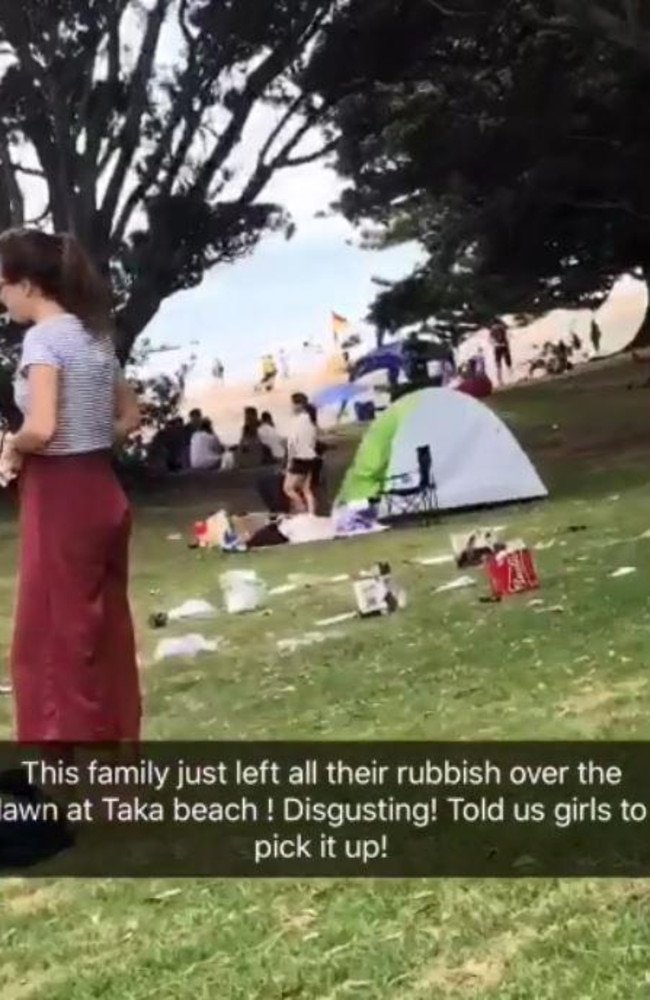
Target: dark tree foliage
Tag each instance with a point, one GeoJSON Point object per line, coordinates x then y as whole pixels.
{"type": "Point", "coordinates": [510, 139]}
{"type": "Point", "coordinates": [125, 122]}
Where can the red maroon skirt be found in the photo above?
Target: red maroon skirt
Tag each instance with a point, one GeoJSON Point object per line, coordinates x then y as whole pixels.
{"type": "Point", "coordinates": [73, 659]}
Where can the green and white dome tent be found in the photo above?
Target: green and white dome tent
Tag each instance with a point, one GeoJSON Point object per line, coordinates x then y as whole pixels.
{"type": "Point", "coordinates": [475, 459]}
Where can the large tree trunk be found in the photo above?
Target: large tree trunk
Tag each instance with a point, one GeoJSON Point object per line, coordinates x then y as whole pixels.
{"type": "Point", "coordinates": [140, 309]}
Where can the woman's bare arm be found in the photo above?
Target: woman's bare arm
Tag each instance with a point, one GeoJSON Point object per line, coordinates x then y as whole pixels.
{"type": "Point", "coordinates": [39, 426]}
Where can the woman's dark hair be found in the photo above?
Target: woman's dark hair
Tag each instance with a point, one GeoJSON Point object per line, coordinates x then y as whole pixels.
{"type": "Point", "coordinates": [59, 266]}
{"type": "Point", "coordinates": [251, 422]}
{"type": "Point", "coordinates": [206, 425]}
{"type": "Point", "coordinates": [266, 418]}
{"type": "Point", "coordinates": [299, 399]}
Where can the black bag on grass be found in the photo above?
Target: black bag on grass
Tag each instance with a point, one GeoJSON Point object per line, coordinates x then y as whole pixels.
{"type": "Point", "coordinates": [31, 839]}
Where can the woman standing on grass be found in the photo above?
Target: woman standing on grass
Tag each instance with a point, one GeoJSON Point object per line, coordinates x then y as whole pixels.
{"type": "Point", "coordinates": [302, 456]}
{"type": "Point", "coordinates": [73, 659]}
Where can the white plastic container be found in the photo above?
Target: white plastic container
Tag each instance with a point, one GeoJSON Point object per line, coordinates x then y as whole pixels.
{"type": "Point", "coordinates": [242, 591]}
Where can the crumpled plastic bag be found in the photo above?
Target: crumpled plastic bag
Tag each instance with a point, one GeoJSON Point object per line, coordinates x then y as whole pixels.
{"type": "Point", "coordinates": [194, 608]}
{"type": "Point", "coordinates": [243, 591]}
{"type": "Point", "coordinates": [188, 646]}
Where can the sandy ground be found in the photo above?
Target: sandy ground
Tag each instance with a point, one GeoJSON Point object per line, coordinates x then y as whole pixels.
{"type": "Point", "coordinates": [619, 318]}
{"type": "Point", "coordinates": [224, 403]}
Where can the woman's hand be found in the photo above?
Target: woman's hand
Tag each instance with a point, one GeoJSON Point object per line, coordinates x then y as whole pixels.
{"type": "Point", "coordinates": [10, 459]}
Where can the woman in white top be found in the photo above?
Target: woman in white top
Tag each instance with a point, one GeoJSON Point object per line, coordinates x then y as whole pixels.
{"type": "Point", "coordinates": [205, 448]}
{"type": "Point", "coordinates": [302, 456]}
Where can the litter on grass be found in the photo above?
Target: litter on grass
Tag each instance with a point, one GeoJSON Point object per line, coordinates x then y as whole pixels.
{"type": "Point", "coordinates": [194, 608]}
{"type": "Point", "coordinates": [623, 571]}
{"type": "Point", "coordinates": [540, 546]}
{"type": "Point", "coordinates": [441, 560]}
{"type": "Point", "coordinates": [243, 591]}
{"type": "Point", "coordinates": [308, 639]}
{"type": "Point", "coordinates": [337, 619]}
{"type": "Point", "coordinates": [458, 584]}
{"type": "Point", "coordinates": [314, 580]}
{"type": "Point", "coordinates": [161, 897]}
{"type": "Point", "coordinates": [188, 646]}
{"type": "Point", "coordinates": [375, 592]}
{"type": "Point", "coordinates": [283, 588]}
{"type": "Point", "coordinates": [471, 548]}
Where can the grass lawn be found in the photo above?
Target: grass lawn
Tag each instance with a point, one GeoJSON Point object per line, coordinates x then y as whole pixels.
{"type": "Point", "coordinates": [447, 667]}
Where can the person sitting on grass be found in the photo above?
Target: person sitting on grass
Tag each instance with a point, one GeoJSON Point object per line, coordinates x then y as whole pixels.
{"type": "Point", "coordinates": [205, 447]}
{"type": "Point", "coordinates": [273, 446]}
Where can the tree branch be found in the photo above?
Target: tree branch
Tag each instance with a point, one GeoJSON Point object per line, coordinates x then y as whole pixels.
{"type": "Point", "coordinates": [446, 12]}
{"type": "Point", "coordinates": [292, 110]}
{"type": "Point", "coordinates": [265, 169]}
{"type": "Point", "coordinates": [610, 206]}
{"type": "Point", "coordinates": [628, 35]}
{"type": "Point", "coordinates": [300, 161]}
{"type": "Point", "coordinates": [96, 125]}
{"type": "Point", "coordinates": [138, 94]}
{"type": "Point", "coordinates": [39, 219]}
{"type": "Point", "coordinates": [14, 196]}
{"type": "Point", "coordinates": [258, 82]}
{"type": "Point", "coordinates": [41, 134]}
{"type": "Point", "coordinates": [28, 171]}
{"type": "Point", "coordinates": [183, 108]}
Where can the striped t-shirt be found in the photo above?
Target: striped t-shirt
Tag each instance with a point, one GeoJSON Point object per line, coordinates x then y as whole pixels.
{"type": "Point", "coordinates": [88, 371]}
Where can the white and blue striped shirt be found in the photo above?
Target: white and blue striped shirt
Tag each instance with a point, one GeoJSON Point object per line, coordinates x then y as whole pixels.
{"type": "Point", "coordinates": [88, 371]}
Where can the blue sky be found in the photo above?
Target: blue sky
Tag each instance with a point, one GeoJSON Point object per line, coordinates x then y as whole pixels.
{"type": "Point", "coordinates": [283, 294]}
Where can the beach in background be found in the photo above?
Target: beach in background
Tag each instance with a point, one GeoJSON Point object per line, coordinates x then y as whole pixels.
{"type": "Point", "coordinates": [312, 368]}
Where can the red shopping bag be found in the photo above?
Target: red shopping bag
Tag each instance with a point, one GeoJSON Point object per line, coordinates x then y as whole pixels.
{"type": "Point", "coordinates": [512, 572]}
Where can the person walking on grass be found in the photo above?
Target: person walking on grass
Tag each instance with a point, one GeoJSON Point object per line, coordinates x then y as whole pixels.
{"type": "Point", "coordinates": [596, 336]}
{"type": "Point", "coordinates": [500, 339]}
{"type": "Point", "coordinates": [302, 456]}
{"type": "Point", "coordinates": [73, 657]}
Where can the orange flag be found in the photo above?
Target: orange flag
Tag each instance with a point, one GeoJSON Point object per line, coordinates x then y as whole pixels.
{"type": "Point", "coordinates": [340, 326]}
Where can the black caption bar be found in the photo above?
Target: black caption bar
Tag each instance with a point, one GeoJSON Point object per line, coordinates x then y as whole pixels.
{"type": "Point", "coordinates": [332, 810]}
